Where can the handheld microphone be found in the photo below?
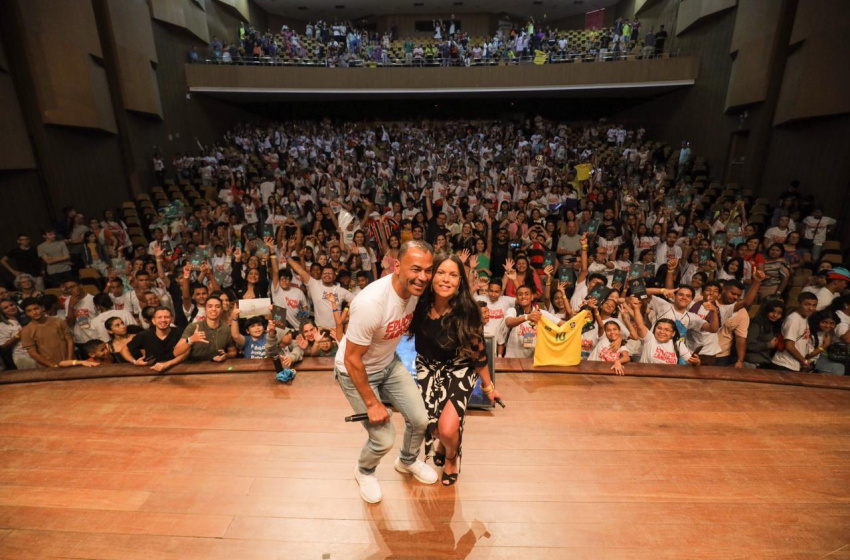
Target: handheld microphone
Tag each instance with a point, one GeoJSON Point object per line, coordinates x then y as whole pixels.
{"type": "Point", "coordinates": [500, 403]}
{"type": "Point", "coordinates": [364, 416]}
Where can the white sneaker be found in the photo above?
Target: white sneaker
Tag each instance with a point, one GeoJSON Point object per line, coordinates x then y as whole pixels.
{"type": "Point", "coordinates": [420, 471]}
{"type": "Point", "coordinates": [370, 490]}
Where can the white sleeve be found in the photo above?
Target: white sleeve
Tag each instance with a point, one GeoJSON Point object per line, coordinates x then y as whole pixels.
{"type": "Point", "coordinates": [362, 325]}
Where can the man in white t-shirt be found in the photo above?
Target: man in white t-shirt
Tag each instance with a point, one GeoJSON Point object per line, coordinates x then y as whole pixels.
{"type": "Point", "coordinates": [318, 291]}
{"type": "Point", "coordinates": [797, 337]}
{"type": "Point", "coordinates": [836, 283]}
{"type": "Point", "coordinates": [368, 369]}
{"type": "Point", "coordinates": [816, 227]}
{"type": "Point", "coordinates": [497, 306]}
{"type": "Point", "coordinates": [285, 295]}
{"type": "Point", "coordinates": [105, 312]}
{"type": "Point", "coordinates": [677, 311]}
{"type": "Point", "coordinates": [79, 312]}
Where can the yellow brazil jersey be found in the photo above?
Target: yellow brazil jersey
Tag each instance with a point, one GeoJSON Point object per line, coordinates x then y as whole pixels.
{"type": "Point", "coordinates": [583, 171]}
{"type": "Point", "coordinates": [559, 346]}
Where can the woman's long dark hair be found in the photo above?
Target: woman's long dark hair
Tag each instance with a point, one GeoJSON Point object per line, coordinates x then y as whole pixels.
{"type": "Point", "coordinates": [761, 321]}
{"type": "Point", "coordinates": [463, 323]}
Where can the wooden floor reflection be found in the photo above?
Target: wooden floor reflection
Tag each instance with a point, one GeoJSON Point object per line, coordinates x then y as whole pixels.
{"type": "Point", "coordinates": [239, 467]}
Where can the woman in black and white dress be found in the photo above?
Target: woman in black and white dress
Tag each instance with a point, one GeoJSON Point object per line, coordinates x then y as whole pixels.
{"type": "Point", "coordinates": [450, 358]}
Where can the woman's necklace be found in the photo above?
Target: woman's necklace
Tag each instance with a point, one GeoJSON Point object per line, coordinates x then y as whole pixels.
{"type": "Point", "coordinates": [439, 314]}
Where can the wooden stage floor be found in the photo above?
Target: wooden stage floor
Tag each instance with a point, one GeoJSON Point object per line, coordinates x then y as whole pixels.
{"type": "Point", "coordinates": [238, 467]}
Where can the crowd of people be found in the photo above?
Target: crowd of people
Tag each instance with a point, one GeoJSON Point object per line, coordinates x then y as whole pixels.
{"type": "Point", "coordinates": [343, 44]}
{"type": "Point", "coordinates": [553, 221]}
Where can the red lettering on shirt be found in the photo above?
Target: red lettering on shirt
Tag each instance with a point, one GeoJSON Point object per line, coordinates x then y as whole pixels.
{"type": "Point", "coordinates": [292, 303]}
{"type": "Point", "coordinates": [664, 356]}
{"type": "Point", "coordinates": [496, 313]}
{"type": "Point", "coordinates": [609, 355]}
{"type": "Point", "coordinates": [398, 327]}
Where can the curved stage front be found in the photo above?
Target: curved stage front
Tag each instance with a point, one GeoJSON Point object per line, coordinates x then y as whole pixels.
{"type": "Point", "coordinates": [667, 462]}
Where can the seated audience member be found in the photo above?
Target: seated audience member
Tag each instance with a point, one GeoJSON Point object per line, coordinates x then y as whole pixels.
{"type": "Point", "coordinates": [120, 335]}
{"type": "Point", "coordinates": [281, 346]}
{"type": "Point", "coordinates": [80, 311]}
{"type": "Point", "coordinates": [663, 344]}
{"type": "Point", "coordinates": [155, 346]}
{"type": "Point", "coordinates": [209, 339]}
{"type": "Point", "coordinates": [10, 336]}
{"type": "Point", "coordinates": [796, 353]}
{"type": "Point", "coordinates": [106, 311]}
{"type": "Point", "coordinates": [763, 334]}
{"type": "Point", "coordinates": [836, 284]}
{"type": "Point", "coordinates": [98, 351]}
{"type": "Point", "coordinates": [253, 346]}
{"type": "Point", "coordinates": [48, 340]}
{"type": "Point", "coordinates": [611, 347]}
{"type": "Point", "coordinates": [324, 346]}
{"type": "Point", "coordinates": [822, 326]}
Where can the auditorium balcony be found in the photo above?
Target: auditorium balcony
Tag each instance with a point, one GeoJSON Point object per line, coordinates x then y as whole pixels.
{"type": "Point", "coordinates": [271, 82]}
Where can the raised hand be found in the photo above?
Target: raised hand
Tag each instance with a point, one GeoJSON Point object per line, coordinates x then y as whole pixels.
{"type": "Point", "coordinates": [473, 262]}
{"type": "Point", "coordinates": [269, 241]}
{"type": "Point", "coordinates": [302, 342]}
{"type": "Point", "coordinates": [199, 337]}
{"type": "Point", "coordinates": [548, 270]}
{"type": "Point", "coordinates": [463, 255]}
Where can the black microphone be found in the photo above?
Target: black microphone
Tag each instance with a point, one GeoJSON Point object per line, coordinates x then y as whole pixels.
{"type": "Point", "coordinates": [364, 416]}
{"type": "Point", "coordinates": [500, 403]}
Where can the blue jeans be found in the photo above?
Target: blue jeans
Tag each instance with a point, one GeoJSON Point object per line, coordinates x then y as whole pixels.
{"type": "Point", "coordinates": [396, 385]}
{"type": "Point", "coordinates": [825, 365]}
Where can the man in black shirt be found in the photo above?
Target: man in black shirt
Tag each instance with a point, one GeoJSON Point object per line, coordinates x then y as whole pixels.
{"type": "Point", "coordinates": [499, 253]}
{"type": "Point", "coordinates": [436, 226]}
{"type": "Point", "coordinates": [155, 345]}
{"type": "Point", "coordinates": [24, 258]}
{"type": "Point", "coordinates": [660, 39]}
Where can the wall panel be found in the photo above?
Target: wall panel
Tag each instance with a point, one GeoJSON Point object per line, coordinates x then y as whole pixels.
{"type": "Point", "coordinates": [17, 151]}
{"type": "Point", "coordinates": [820, 35]}
{"type": "Point", "coordinates": [756, 25]}
{"type": "Point", "coordinates": [692, 11]}
{"type": "Point", "coordinates": [136, 53]}
{"type": "Point", "coordinates": [185, 14]}
{"type": "Point", "coordinates": [241, 6]}
{"type": "Point", "coordinates": [61, 39]}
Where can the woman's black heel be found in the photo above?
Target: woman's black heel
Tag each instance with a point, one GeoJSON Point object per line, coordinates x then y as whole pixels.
{"type": "Point", "coordinates": [450, 479]}
{"type": "Point", "coordinates": [439, 458]}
